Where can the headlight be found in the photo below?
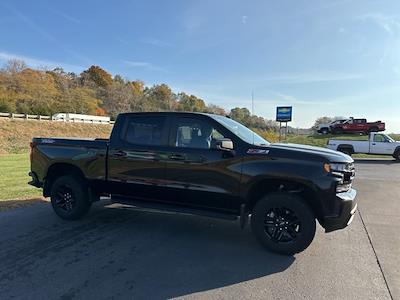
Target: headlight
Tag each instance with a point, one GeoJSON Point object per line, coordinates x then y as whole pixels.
{"type": "Point", "coordinates": [337, 167]}
{"type": "Point", "coordinates": [344, 172]}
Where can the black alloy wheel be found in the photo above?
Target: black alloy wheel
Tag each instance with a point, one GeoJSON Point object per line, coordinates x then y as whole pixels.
{"type": "Point", "coordinates": [70, 197]}
{"type": "Point", "coordinates": [281, 225]}
{"type": "Point", "coordinates": [64, 198]}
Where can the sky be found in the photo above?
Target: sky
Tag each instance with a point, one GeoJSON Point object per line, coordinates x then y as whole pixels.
{"type": "Point", "coordinates": [324, 58]}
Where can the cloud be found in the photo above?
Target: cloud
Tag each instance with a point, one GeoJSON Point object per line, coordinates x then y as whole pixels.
{"type": "Point", "coordinates": [389, 24]}
{"type": "Point", "coordinates": [244, 19]}
{"type": "Point", "coordinates": [38, 63]}
{"type": "Point", "coordinates": [144, 65]}
{"type": "Point", "coordinates": [44, 33]}
{"type": "Point", "coordinates": [65, 16]}
{"type": "Point", "coordinates": [32, 25]}
{"type": "Point", "coordinates": [156, 42]}
{"type": "Point", "coordinates": [293, 78]}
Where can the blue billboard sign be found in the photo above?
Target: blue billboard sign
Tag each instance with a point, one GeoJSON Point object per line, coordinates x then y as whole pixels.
{"type": "Point", "coordinates": [284, 113]}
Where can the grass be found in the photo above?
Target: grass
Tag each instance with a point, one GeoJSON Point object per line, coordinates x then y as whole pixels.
{"type": "Point", "coordinates": [17, 134]}
{"type": "Point", "coordinates": [14, 177]}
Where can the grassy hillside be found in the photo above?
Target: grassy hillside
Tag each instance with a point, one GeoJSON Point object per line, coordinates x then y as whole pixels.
{"type": "Point", "coordinates": [17, 134]}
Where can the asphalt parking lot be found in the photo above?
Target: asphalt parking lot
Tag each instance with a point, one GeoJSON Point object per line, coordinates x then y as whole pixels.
{"type": "Point", "coordinates": [116, 253]}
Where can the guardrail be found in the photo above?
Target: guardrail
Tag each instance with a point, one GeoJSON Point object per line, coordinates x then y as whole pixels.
{"type": "Point", "coordinates": [50, 118]}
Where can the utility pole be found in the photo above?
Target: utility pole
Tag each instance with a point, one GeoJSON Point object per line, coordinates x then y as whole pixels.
{"type": "Point", "coordinates": [252, 102]}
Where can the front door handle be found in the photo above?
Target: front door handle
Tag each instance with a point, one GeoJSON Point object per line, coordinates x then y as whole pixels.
{"type": "Point", "coordinates": [177, 157]}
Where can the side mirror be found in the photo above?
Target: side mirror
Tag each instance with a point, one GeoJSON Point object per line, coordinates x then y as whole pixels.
{"type": "Point", "coordinates": [224, 144]}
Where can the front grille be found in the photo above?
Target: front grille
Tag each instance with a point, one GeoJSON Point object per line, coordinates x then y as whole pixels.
{"type": "Point", "coordinates": [349, 173]}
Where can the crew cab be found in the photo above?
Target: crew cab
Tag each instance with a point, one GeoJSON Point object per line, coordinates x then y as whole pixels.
{"type": "Point", "coordinates": [377, 143]}
{"type": "Point", "coordinates": [357, 126]}
{"type": "Point", "coordinates": [201, 164]}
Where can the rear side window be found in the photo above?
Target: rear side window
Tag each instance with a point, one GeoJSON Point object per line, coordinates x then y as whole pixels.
{"type": "Point", "coordinates": [144, 131]}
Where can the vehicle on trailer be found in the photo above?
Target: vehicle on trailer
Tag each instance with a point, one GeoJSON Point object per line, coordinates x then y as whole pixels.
{"type": "Point", "coordinates": [358, 126]}
{"type": "Point", "coordinates": [327, 128]}
{"type": "Point", "coordinates": [201, 164]}
{"type": "Point", "coordinates": [377, 143]}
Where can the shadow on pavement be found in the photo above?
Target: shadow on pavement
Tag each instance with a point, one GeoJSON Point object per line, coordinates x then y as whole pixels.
{"type": "Point", "coordinates": [12, 204]}
{"type": "Point", "coordinates": [376, 161]}
{"type": "Point", "coordinates": [123, 253]}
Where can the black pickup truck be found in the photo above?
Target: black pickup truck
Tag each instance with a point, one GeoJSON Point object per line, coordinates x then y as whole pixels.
{"type": "Point", "coordinates": [201, 164]}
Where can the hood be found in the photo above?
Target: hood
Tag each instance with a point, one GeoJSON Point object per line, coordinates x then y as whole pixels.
{"type": "Point", "coordinates": [330, 155]}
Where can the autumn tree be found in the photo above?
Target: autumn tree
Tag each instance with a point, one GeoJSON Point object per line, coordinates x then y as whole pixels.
{"type": "Point", "coordinates": [95, 91]}
{"type": "Point", "coordinates": [159, 98]}
{"type": "Point", "coordinates": [98, 76]}
{"type": "Point", "coordinates": [190, 103]}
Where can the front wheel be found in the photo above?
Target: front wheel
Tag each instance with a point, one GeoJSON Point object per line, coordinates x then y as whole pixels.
{"type": "Point", "coordinates": [69, 198]}
{"type": "Point", "coordinates": [324, 130]}
{"type": "Point", "coordinates": [283, 223]}
{"type": "Point", "coordinates": [397, 156]}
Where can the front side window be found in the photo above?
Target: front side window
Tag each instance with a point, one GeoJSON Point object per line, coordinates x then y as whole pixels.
{"type": "Point", "coordinates": [241, 131]}
{"type": "Point", "coordinates": [379, 138]}
{"type": "Point", "coordinates": [144, 130]}
{"type": "Point", "coordinates": [192, 133]}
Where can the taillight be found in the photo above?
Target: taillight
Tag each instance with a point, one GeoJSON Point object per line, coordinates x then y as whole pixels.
{"type": "Point", "coordinates": [32, 145]}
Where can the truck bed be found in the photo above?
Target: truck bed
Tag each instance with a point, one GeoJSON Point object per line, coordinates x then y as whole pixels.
{"type": "Point", "coordinates": [87, 155]}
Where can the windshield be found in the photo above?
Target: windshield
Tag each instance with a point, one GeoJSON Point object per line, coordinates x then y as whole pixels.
{"type": "Point", "coordinates": [241, 131]}
{"type": "Point", "coordinates": [389, 139]}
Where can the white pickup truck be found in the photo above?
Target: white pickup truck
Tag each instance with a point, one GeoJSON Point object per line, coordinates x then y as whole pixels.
{"type": "Point", "coordinates": [378, 143]}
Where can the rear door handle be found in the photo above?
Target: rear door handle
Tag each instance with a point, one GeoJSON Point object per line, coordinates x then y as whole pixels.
{"type": "Point", "coordinates": [177, 157]}
{"type": "Point", "coordinates": [120, 153]}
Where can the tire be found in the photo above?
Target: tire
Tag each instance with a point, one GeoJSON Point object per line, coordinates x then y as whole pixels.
{"type": "Point", "coordinates": [69, 198]}
{"type": "Point", "coordinates": [324, 130]}
{"type": "Point", "coordinates": [397, 156]}
{"type": "Point", "coordinates": [337, 131]}
{"type": "Point", "coordinates": [346, 151]}
{"type": "Point", "coordinates": [283, 223]}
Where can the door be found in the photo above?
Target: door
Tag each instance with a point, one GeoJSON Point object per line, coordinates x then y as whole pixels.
{"type": "Point", "coordinates": [197, 173]}
{"type": "Point", "coordinates": [381, 145]}
{"type": "Point", "coordinates": [136, 161]}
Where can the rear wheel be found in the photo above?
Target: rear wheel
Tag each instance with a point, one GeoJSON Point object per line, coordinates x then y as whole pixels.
{"type": "Point", "coordinates": [70, 198]}
{"type": "Point", "coordinates": [283, 223]}
{"type": "Point", "coordinates": [347, 151]}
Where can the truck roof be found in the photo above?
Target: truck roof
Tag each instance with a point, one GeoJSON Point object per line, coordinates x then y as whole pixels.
{"type": "Point", "coordinates": [169, 113]}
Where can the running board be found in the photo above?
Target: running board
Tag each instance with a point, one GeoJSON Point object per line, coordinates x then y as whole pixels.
{"type": "Point", "coordinates": [161, 207]}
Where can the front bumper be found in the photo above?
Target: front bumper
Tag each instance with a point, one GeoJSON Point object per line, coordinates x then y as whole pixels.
{"type": "Point", "coordinates": [348, 208]}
